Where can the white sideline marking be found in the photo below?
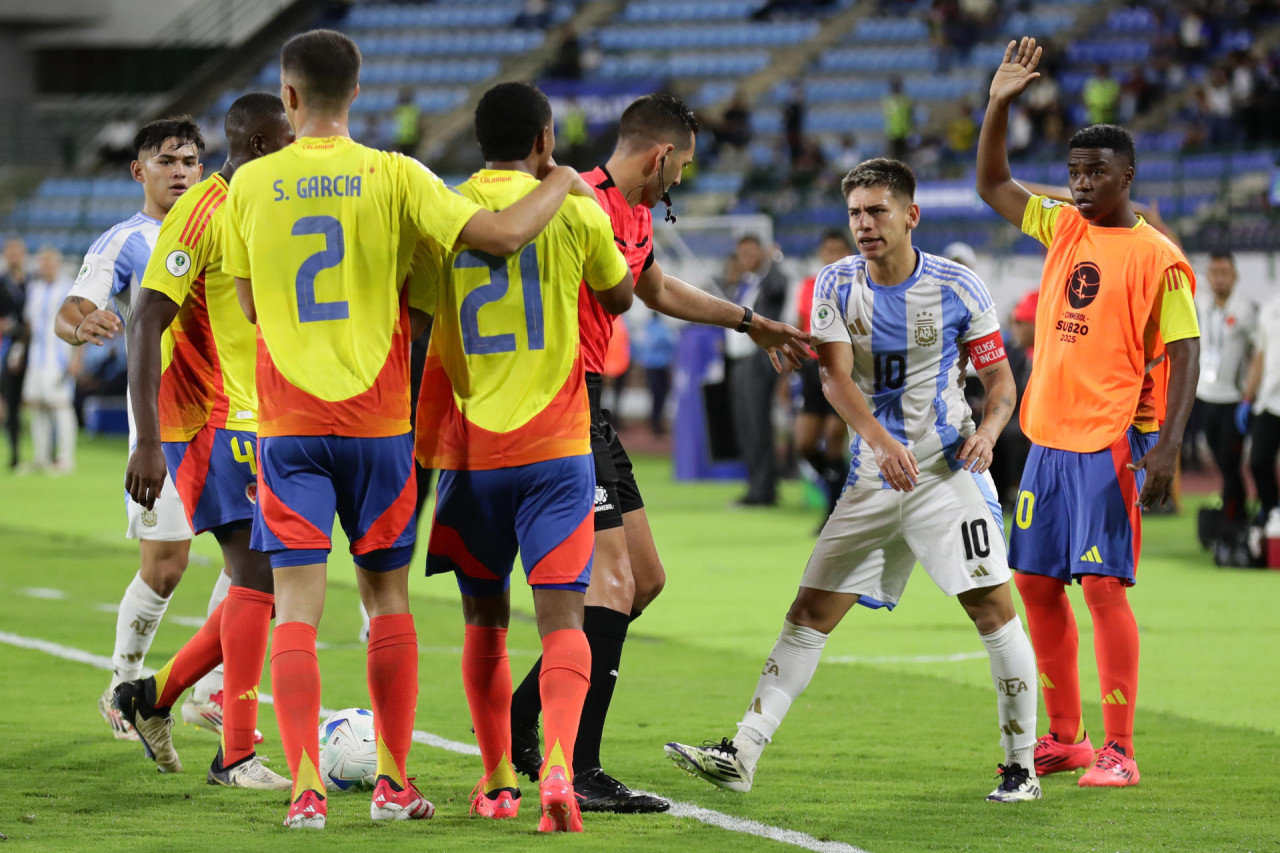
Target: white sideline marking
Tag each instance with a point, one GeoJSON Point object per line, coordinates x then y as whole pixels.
{"type": "Point", "coordinates": [678, 809]}
{"type": "Point", "coordinates": [955, 658]}
{"type": "Point", "coordinates": [43, 592]}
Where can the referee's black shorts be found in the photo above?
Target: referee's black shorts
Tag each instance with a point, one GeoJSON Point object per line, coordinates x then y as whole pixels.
{"type": "Point", "coordinates": [812, 401]}
{"type": "Point", "coordinates": [616, 489]}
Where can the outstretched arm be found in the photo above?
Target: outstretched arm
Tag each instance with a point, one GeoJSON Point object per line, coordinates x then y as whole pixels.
{"type": "Point", "coordinates": [152, 314]}
{"type": "Point", "coordinates": [681, 300]}
{"type": "Point", "coordinates": [996, 185]}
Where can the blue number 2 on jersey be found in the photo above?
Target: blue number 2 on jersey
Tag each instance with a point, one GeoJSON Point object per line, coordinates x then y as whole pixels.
{"type": "Point", "coordinates": [475, 343]}
{"type": "Point", "coordinates": [335, 248]}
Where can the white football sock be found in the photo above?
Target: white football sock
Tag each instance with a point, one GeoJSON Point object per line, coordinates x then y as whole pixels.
{"type": "Point", "coordinates": [1013, 671]}
{"type": "Point", "coordinates": [65, 418]}
{"type": "Point", "coordinates": [786, 674]}
{"type": "Point", "coordinates": [136, 622]}
{"type": "Point", "coordinates": [41, 436]}
{"type": "Point", "coordinates": [212, 681]}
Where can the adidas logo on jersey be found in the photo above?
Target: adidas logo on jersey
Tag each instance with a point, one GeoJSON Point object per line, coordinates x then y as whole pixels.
{"type": "Point", "coordinates": [1091, 556]}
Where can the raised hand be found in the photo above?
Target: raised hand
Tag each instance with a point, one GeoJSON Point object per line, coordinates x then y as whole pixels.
{"type": "Point", "coordinates": [1017, 70]}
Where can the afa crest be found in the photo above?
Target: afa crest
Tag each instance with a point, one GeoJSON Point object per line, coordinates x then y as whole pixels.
{"type": "Point", "coordinates": [926, 330]}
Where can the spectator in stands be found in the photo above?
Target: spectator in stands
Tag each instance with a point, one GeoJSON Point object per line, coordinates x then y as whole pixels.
{"type": "Point", "coordinates": [407, 118]}
{"type": "Point", "coordinates": [568, 61]}
{"type": "Point", "coordinates": [1227, 330]}
{"type": "Point", "coordinates": [793, 122]}
{"type": "Point", "coordinates": [1261, 400]}
{"type": "Point", "coordinates": [52, 365]}
{"type": "Point", "coordinates": [961, 136]}
{"type": "Point", "coordinates": [657, 354]}
{"type": "Point", "coordinates": [1221, 109]}
{"type": "Point", "coordinates": [847, 155]}
{"type": "Point", "coordinates": [899, 119]}
{"type": "Point", "coordinates": [1102, 97]}
{"type": "Point", "coordinates": [1021, 132]}
{"type": "Point", "coordinates": [375, 134]}
{"type": "Point", "coordinates": [13, 339]}
{"type": "Point", "coordinates": [572, 133]}
{"type": "Point", "coordinates": [752, 380]}
{"type": "Point", "coordinates": [733, 134]}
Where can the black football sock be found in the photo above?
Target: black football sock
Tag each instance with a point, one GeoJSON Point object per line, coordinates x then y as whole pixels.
{"type": "Point", "coordinates": [526, 700]}
{"type": "Point", "coordinates": [606, 631]}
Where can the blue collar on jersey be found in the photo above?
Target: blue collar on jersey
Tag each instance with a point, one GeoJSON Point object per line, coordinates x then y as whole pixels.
{"type": "Point", "coordinates": [914, 277]}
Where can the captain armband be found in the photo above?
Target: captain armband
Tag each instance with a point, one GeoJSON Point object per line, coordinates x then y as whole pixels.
{"type": "Point", "coordinates": [986, 351]}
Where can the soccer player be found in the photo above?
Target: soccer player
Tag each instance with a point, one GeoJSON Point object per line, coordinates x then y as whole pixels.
{"type": "Point", "coordinates": [516, 472]}
{"type": "Point", "coordinates": [51, 366]}
{"type": "Point", "coordinates": [320, 238]}
{"type": "Point", "coordinates": [199, 418]}
{"type": "Point", "coordinates": [1115, 297]}
{"type": "Point", "coordinates": [819, 432]}
{"type": "Point", "coordinates": [890, 325]}
{"type": "Point", "coordinates": [656, 137]}
{"type": "Point", "coordinates": [167, 164]}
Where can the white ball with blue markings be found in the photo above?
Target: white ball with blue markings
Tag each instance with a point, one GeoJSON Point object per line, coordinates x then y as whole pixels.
{"type": "Point", "coordinates": [348, 749]}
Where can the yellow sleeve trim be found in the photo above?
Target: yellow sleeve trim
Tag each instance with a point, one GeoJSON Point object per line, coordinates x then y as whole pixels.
{"type": "Point", "coordinates": [1176, 308]}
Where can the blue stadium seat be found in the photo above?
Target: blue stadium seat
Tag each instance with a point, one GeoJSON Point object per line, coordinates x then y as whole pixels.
{"type": "Point", "coordinates": [1118, 51]}
{"type": "Point", "coordinates": [667, 11]}
{"type": "Point", "coordinates": [878, 30]}
{"type": "Point", "coordinates": [879, 59]}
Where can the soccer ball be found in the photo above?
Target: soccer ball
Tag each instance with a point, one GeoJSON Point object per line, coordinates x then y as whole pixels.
{"type": "Point", "coordinates": [348, 749]}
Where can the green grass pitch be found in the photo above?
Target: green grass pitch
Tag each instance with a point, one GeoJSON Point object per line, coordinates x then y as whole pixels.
{"type": "Point", "coordinates": [887, 751]}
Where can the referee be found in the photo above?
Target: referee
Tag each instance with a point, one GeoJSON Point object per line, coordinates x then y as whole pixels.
{"type": "Point", "coordinates": [1226, 348]}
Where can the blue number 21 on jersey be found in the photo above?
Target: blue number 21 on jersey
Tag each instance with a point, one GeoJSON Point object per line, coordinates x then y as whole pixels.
{"type": "Point", "coordinates": [475, 343]}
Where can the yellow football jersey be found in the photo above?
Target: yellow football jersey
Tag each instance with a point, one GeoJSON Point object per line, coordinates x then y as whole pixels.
{"type": "Point", "coordinates": [209, 350]}
{"type": "Point", "coordinates": [504, 383]}
{"type": "Point", "coordinates": [326, 228]}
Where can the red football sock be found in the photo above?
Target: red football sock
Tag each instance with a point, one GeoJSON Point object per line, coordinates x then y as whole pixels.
{"type": "Point", "coordinates": [566, 675]}
{"type": "Point", "coordinates": [246, 624]}
{"type": "Point", "coordinates": [1115, 646]}
{"type": "Point", "coordinates": [201, 653]}
{"type": "Point", "coordinates": [393, 689]}
{"type": "Point", "coordinates": [295, 681]}
{"type": "Point", "coordinates": [486, 675]}
{"type": "Point", "coordinates": [1056, 641]}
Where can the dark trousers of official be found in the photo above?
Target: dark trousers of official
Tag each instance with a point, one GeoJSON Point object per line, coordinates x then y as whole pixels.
{"type": "Point", "coordinates": [1227, 446]}
{"type": "Point", "coordinates": [1265, 435]}
{"type": "Point", "coordinates": [11, 382]}
{"type": "Point", "coordinates": [659, 381]}
{"type": "Point", "coordinates": [752, 385]}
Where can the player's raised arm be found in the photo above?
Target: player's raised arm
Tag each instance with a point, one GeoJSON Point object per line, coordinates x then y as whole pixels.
{"type": "Point", "coordinates": [995, 182]}
{"type": "Point", "coordinates": [504, 232]}
{"type": "Point", "coordinates": [896, 461]}
{"type": "Point", "coordinates": [681, 300]}
{"type": "Point", "coordinates": [153, 312]}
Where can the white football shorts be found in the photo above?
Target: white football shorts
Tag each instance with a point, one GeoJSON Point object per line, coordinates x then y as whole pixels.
{"type": "Point", "coordinates": [952, 525]}
{"type": "Point", "coordinates": [46, 386]}
{"type": "Point", "coordinates": [167, 520]}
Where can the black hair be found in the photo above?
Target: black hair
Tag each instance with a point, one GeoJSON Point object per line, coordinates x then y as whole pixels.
{"type": "Point", "coordinates": [750, 238]}
{"type": "Point", "coordinates": [1223, 255]}
{"type": "Point", "coordinates": [657, 118]}
{"type": "Point", "coordinates": [1100, 136]}
{"type": "Point", "coordinates": [249, 112]}
{"type": "Point", "coordinates": [325, 65]}
{"type": "Point", "coordinates": [881, 172]}
{"type": "Point", "coordinates": [837, 234]}
{"type": "Point", "coordinates": [153, 134]}
{"type": "Point", "coordinates": [509, 118]}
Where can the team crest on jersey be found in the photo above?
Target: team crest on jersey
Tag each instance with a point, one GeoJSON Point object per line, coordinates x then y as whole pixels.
{"type": "Point", "coordinates": [177, 263]}
{"type": "Point", "coordinates": [926, 330]}
{"type": "Point", "coordinates": [251, 492]}
{"type": "Point", "coordinates": [149, 518]}
{"type": "Point", "coordinates": [824, 317]}
{"type": "Point", "coordinates": [1083, 284]}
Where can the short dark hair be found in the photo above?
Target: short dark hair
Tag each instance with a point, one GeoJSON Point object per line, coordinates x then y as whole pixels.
{"type": "Point", "coordinates": [153, 134]}
{"type": "Point", "coordinates": [1111, 136]}
{"type": "Point", "coordinates": [837, 234]}
{"type": "Point", "coordinates": [750, 238]}
{"type": "Point", "coordinates": [881, 172]}
{"type": "Point", "coordinates": [657, 118]}
{"type": "Point", "coordinates": [1223, 255]}
{"type": "Point", "coordinates": [249, 111]}
{"type": "Point", "coordinates": [326, 64]}
{"type": "Point", "coordinates": [509, 118]}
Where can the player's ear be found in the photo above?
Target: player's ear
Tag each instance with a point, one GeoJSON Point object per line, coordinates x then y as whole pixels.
{"type": "Point", "coordinates": [135, 169]}
{"type": "Point", "coordinates": [355, 94]}
{"type": "Point", "coordinates": [913, 216]}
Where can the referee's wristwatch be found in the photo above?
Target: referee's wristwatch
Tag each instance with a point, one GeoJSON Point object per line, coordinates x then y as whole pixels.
{"type": "Point", "coordinates": [747, 314]}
